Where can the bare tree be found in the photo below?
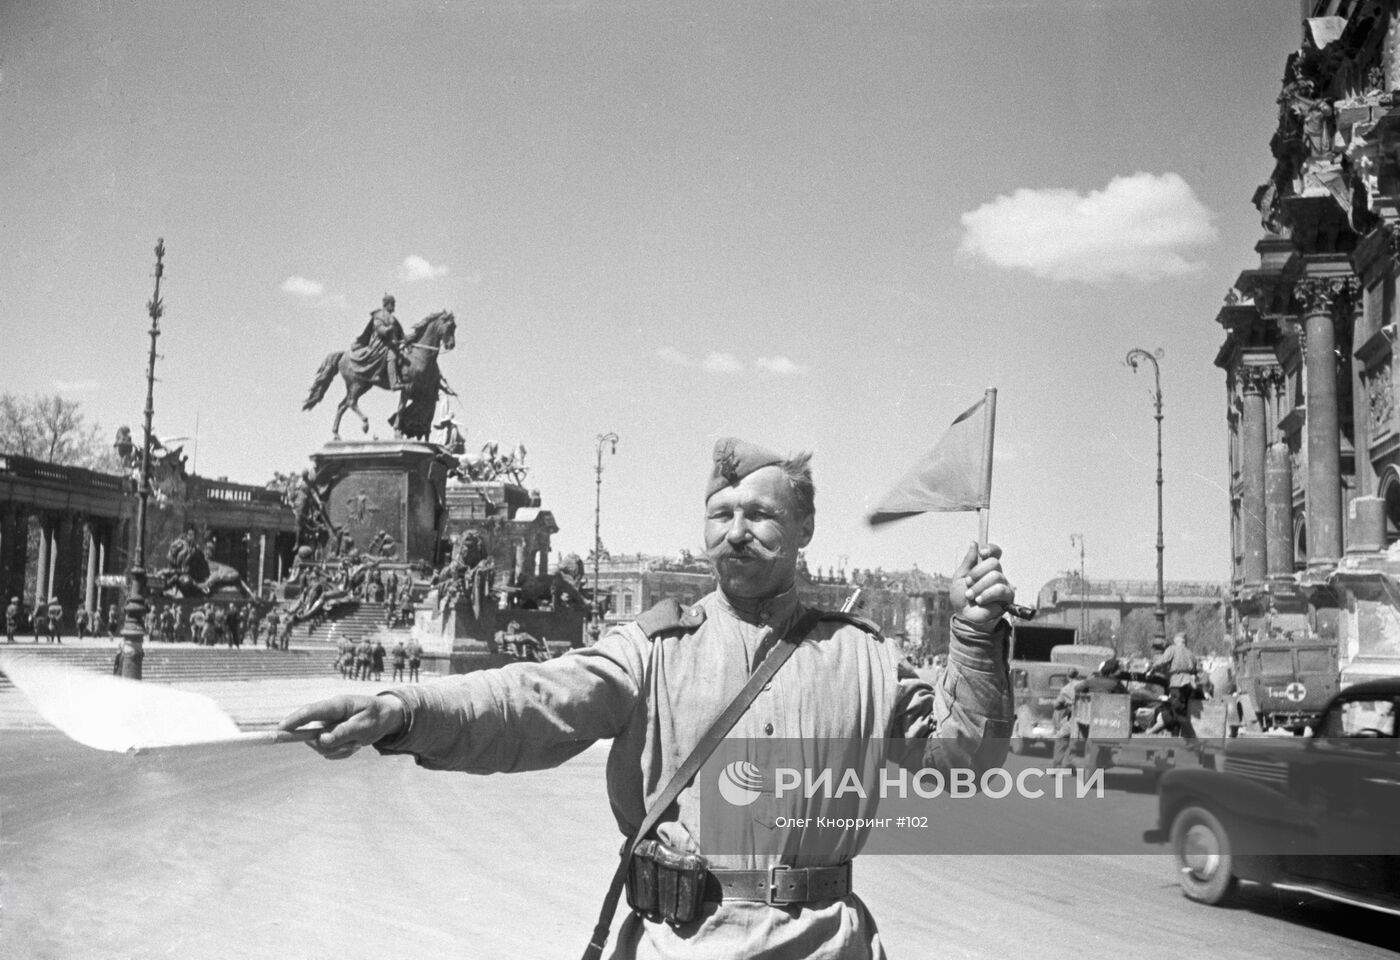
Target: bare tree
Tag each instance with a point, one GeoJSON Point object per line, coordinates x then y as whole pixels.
{"type": "Point", "coordinates": [53, 429]}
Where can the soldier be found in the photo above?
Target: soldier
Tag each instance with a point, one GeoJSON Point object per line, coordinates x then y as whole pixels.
{"type": "Point", "coordinates": [1064, 719]}
{"type": "Point", "coordinates": [199, 625]}
{"type": "Point", "coordinates": [415, 658]}
{"type": "Point", "coordinates": [12, 617]}
{"type": "Point", "coordinates": [284, 633]}
{"type": "Point", "coordinates": [114, 620]}
{"type": "Point", "coordinates": [400, 656]}
{"type": "Point", "coordinates": [655, 686]}
{"type": "Point", "coordinates": [233, 623]}
{"type": "Point", "coordinates": [55, 620]}
{"type": "Point", "coordinates": [364, 650]}
{"type": "Point", "coordinates": [1182, 669]}
{"type": "Point", "coordinates": [81, 621]}
{"type": "Point", "coordinates": [99, 623]}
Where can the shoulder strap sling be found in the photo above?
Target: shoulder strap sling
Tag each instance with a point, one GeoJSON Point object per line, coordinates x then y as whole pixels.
{"type": "Point", "coordinates": [687, 770]}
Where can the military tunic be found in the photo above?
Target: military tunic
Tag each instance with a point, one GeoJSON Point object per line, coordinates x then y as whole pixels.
{"type": "Point", "coordinates": [655, 696]}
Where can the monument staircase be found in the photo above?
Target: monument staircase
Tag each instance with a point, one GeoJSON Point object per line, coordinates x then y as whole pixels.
{"type": "Point", "coordinates": [356, 621]}
{"type": "Point", "coordinates": [182, 663]}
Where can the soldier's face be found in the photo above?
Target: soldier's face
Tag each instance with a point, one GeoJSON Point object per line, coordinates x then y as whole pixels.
{"type": "Point", "coordinates": [753, 532]}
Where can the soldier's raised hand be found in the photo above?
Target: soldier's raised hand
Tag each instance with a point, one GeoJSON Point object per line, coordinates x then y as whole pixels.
{"type": "Point", "coordinates": [980, 591]}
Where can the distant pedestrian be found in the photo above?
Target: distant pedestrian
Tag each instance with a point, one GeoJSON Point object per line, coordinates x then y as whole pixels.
{"type": "Point", "coordinates": [284, 632]}
{"type": "Point", "coordinates": [234, 626]}
{"type": "Point", "coordinates": [55, 620]}
{"type": "Point", "coordinates": [415, 658]}
{"type": "Point", "coordinates": [99, 623]}
{"type": "Point", "coordinates": [114, 620]}
{"type": "Point", "coordinates": [81, 621]}
{"type": "Point", "coordinates": [400, 656]}
{"type": "Point", "coordinates": [199, 625]}
{"type": "Point", "coordinates": [1182, 670]}
{"type": "Point", "coordinates": [219, 622]}
{"type": "Point", "coordinates": [376, 661]}
{"type": "Point", "coordinates": [12, 615]}
{"type": "Point", "coordinates": [1064, 720]}
{"type": "Point", "coordinates": [364, 651]}
{"type": "Point", "coordinates": [40, 620]}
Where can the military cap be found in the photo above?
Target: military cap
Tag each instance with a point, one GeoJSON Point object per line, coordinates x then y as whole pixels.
{"type": "Point", "coordinates": [734, 460]}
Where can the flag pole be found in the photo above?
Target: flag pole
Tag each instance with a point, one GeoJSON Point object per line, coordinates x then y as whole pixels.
{"type": "Point", "coordinates": [989, 430]}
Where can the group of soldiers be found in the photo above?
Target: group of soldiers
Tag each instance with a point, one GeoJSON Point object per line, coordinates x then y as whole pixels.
{"type": "Point", "coordinates": [365, 660]}
{"type": "Point", "coordinates": [208, 624]}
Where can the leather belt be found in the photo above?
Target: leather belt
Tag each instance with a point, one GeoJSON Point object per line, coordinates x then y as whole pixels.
{"type": "Point", "coordinates": [780, 885]}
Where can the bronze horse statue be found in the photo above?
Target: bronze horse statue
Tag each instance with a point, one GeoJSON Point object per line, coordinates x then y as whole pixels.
{"type": "Point", "coordinates": [419, 375]}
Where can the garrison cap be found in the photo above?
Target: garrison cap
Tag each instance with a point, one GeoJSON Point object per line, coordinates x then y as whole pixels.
{"type": "Point", "coordinates": [734, 460]}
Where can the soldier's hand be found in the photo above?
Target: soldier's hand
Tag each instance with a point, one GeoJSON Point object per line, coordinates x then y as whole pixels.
{"type": "Point", "coordinates": [351, 721]}
{"type": "Point", "coordinates": [980, 591]}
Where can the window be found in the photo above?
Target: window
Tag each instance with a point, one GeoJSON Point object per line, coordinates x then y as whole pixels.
{"type": "Point", "coordinates": [626, 603]}
{"type": "Point", "coordinates": [1360, 718]}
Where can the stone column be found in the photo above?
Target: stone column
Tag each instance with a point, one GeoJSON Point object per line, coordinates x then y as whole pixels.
{"type": "Point", "coordinates": [41, 575]}
{"type": "Point", "coordinates": [1278, 508]}
{"type": "Point", "coordinates": [90, 581]}
{"type": "Point", "coordinates": [262, 562]}
{"type": "Point", "coordinates": [1320, 298]}
{"type": "Point", "coordinates": [1254, 381]}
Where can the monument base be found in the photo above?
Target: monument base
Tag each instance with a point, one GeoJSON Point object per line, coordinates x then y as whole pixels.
{"type": "Point", "coordinates": [393, 491]}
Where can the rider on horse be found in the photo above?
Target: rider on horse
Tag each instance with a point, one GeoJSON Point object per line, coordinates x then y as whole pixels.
{"type": "Point", "coordinates": [381, 340]}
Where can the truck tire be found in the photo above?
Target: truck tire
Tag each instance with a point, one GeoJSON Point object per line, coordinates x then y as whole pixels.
{"type": "Point", "coordinates": [1203, 856]}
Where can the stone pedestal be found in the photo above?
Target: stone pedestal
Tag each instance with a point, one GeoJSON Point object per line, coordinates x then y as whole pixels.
{"type": "Point", "coordinates": [394, 486]}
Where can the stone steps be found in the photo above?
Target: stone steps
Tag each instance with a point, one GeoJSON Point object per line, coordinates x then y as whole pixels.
{"type": "Point", "coordinates": [355, 621]}
{"type": "Point", "coordinates": [185, 664]}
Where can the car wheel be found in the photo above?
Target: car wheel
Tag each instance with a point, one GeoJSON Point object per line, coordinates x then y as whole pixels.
{"type": "Point", "coordinates": [1203, 856]}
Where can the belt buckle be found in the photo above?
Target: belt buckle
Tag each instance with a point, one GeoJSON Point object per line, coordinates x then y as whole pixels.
{"type": "Point", "coordinates": [773, 899]}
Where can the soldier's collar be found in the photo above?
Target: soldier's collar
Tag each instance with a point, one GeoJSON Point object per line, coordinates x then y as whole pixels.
{"type": "Point", "coordinates": [768, 611]}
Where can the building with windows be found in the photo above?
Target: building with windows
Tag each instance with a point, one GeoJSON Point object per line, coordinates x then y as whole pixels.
{"type": "Point", "coordinates": [1087, 604]}
{"type": "Point", "coordinates": [1314, 443]}
{"type": "Point", "coordinates": [911, 607]}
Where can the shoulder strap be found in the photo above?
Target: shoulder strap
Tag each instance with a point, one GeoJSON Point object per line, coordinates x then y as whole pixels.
{"type": "Point", "coordinates": [686, 771]}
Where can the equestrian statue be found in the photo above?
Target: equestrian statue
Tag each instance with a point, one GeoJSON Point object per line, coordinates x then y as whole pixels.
{"type": "Point", "coordinates": [383, 356]}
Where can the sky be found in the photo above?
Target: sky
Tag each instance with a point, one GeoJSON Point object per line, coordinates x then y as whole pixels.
{"type": "Point", "coordinates": [815, 226]}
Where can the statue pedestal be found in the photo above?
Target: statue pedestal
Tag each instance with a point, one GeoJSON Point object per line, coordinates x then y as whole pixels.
{"type": "Point", "coordinates": [394, 486]}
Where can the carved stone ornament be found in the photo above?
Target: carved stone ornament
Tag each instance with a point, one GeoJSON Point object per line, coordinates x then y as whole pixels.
{"type": "Point", "coordinates": [1334, 295]}
{"type": "Point", "coordinates": [1258, 379]}
{"type": "Point", "coordinates": [1380, 399]}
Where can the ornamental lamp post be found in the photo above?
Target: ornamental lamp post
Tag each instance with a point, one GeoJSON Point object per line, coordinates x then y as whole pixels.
{"type": "Point", "coordinates": [610, 439]}
{"type": "Point", "coordinates": [134, 622]}
{"type": "Point", "coordinates": [1136, 356]}
{"type": "Point", "coordinates": [1078, 539]}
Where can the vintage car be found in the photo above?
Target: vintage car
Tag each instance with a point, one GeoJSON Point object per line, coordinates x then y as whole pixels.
{"type": "Point", "coordinates": [1313, 815]}
{"type": "Point", "coordinates": [1034, 687]}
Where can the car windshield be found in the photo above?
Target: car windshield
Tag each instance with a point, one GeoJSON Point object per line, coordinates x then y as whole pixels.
{"type": "Point", "coordinates": [1360, 718]}
{"type": "Point", "coordinates": [1314, 660]}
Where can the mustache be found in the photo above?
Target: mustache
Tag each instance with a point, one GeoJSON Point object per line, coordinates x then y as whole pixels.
{"type": "Point", "coordinates": [750, 550]}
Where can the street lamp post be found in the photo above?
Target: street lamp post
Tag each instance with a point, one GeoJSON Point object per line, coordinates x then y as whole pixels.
{"type": "Point", "coordinates": [134, 622]}
{"type": "Point", "coordinates": [611, 439]}
{"type": "Point", "coordinates": [1078, 538]}
{"type": "Point", "coordinates": [1136, 356]}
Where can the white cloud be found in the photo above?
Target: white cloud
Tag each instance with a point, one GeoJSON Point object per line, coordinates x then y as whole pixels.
{"type": "Point", "coordinates": [76, 386]}
{"type": "Point", "coordinates": [722, 363]}
{"type": "Point", "coordinates": [782, 366]}
{"type": "Point", "coordinates": [415, 268]}
{"type": "Point", "coordinates": [302, 287]}
{"type": "Point", "coordinates": [1138, 227]}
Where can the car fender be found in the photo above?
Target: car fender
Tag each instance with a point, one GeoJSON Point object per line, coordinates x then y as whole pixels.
{"type": "Point", "coordinates": [1257, 815]}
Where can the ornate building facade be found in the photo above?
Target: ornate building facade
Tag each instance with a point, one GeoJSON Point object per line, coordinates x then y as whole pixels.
{"type": "Point", "coordinates": [1314, 444]}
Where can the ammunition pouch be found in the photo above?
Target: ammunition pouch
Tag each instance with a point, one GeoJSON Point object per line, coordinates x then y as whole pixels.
{"type": "Point", "coordinates": [666, 884]}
